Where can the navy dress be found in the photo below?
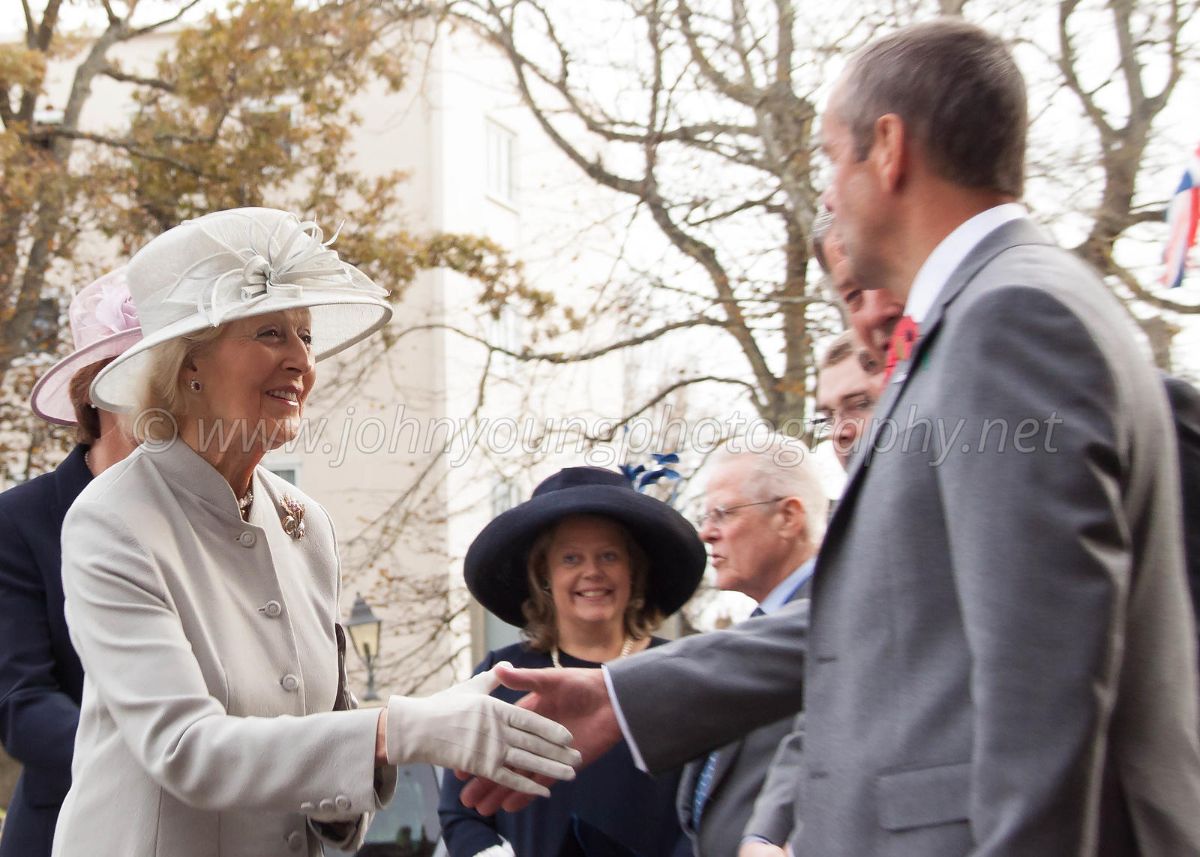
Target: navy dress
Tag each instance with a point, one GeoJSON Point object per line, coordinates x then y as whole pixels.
{"type": "Point", "coordinates": [611, 809]}
{"type": "Point", "coordinates": [41, 679]}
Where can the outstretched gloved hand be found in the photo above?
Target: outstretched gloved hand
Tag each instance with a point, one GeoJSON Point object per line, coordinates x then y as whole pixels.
{"type": "Point", "coordinates": [462, 728]}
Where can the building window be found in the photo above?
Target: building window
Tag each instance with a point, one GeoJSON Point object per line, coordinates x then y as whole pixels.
{"type": "Point", "coordinates": [504, 497]}
{"type": "Point", "coordinates": [506, 333]}
{"type": "Point", "coordinates": [289, 471]}
{"type": "Point", "coordinates": [497, 633]}
{"type": "Point", "coordinates": [501, 163]}
{"type": "Point", "coordinates": [286, 473]}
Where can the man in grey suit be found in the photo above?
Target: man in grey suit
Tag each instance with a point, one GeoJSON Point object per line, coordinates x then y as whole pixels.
{"type": "Point", "coordinates": [1000, 661]}
{"type": "Point", "coordinates": [765, 514]}
{"type": "Point", "coordinates": [848, 386]}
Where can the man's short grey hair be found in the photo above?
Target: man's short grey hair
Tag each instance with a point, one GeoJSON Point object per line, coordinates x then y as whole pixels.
{"type": "Point", "coordinates": [960, 94]}
{"type": "Point", "coordinates": [782, 467]}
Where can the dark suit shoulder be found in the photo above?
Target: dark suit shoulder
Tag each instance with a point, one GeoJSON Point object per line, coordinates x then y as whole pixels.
{"type": "Point", "coordinates": [518, 654]}
{"type": "Point", "coordinates": [21, 501]}
{"type": "Point", "coordinates": [33, 511]}
{"type": "Point", "coordinates": [53, 491]}
{"type": "Point", "coordinates": [521, 656]}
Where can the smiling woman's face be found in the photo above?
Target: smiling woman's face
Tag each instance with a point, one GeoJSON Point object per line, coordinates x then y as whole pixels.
{"type": "Point", "coordinates": [589, 570]}
{"type": "Point", "coordinates": [254, 380]}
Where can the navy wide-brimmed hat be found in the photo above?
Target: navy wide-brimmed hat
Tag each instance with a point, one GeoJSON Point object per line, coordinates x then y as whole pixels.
{"type": "Point", "coordinates": [496, 564]}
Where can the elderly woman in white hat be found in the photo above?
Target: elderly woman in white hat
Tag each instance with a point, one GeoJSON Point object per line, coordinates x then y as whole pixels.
{"type": "Point", "coordinates": [588, 568]}
{"type": "Point", "coordinates": [202, 590]}
{"type": "Point", "coordinates": [41, 680]}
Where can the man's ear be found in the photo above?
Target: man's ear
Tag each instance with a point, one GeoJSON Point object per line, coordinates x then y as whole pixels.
{"type": "Point", "coordinates": [795, 521]}
{"type": "Point", "coordinates": [889, 153]}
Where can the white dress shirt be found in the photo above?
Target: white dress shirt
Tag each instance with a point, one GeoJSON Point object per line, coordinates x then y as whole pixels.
{"type": "Point", "coordinates": [951, 252]}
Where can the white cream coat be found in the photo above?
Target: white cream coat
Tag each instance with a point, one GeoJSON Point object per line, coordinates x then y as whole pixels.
{"type": "Point", "coordinates": [209, 645]}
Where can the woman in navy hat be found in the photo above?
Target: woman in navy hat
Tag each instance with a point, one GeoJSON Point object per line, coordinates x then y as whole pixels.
{"type": "Point", "coordinates": [588, 568]}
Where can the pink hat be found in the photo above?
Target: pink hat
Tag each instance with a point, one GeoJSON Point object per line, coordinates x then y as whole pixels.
{"type": "Point", "coordinates": [104, 323]}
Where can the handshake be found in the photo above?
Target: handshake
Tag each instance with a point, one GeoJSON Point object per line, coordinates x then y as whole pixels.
{"type": "Point", "coordinates": [465, 729]}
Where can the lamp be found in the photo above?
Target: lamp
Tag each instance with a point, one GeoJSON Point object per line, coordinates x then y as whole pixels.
{"type": "Point", "coordinates": [363, 626]}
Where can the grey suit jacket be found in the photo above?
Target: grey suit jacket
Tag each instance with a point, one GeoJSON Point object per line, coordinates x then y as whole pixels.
{"type": "Point", "coordinates": [1000, 660]}
{"type": "Point", "coordinates": [776, 813]}
{"type": "Point", "coordinates": [737, 779]}
{"type": "Point", "coordinates": [210, 653]}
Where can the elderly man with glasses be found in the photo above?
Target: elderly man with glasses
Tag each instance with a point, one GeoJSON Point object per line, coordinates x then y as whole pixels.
{"type": "Point", "coordinates": [764, 517]}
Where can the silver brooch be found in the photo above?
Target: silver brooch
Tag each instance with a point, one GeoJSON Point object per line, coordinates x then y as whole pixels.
{"type": "Point", "coordinates": [293, 517]}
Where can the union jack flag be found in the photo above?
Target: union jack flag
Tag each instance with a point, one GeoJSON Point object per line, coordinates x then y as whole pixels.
{"type": "Point", "coordinates": [1183, 215]}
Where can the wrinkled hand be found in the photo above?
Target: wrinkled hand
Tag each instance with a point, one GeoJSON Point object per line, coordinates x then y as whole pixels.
{"type": "Point", "coordinates": [465, 729]}
{"type": "Point", "coordinates": [760, 849]}
{"type": "Point", "coordinates": [576, 698]}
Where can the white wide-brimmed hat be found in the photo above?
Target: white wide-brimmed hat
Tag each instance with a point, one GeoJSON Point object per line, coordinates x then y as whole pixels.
{"type": "Point", "coordinates": [104, 323]}
{"type": "Point", "coordinates": [236, 264]}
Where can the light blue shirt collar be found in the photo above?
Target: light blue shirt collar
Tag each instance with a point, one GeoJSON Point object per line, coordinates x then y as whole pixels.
{"type": "Point", "coordinates": [781, 593]}
{"type": "Point", "coordinates": [951, 252]}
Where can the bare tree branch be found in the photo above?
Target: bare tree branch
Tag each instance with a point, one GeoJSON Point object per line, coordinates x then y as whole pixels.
{"type": "Point", "coordinates": [1143, 294]}
{"type": "Point", "coordinates": [562, 357]}
{"type": "Point", "coordinates": [165, 22]}
{"type": "Point", "coordinates": [113, 72]}
{"type": "Point", "coordinates": [1067, 63]}
{"type": "Point", "coordinates": [134, 149]}
{"type": "Point", "coordinates": [666, 392]}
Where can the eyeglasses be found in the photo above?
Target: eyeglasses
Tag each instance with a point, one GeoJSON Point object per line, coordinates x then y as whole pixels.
{"type": "Point", "coordinates": [717, 514]}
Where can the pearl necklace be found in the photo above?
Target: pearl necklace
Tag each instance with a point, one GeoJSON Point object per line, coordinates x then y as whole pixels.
{"type": "Point", "coordinates": [244, 505]}
{"type": "Point", "coordinates": [626, 648]}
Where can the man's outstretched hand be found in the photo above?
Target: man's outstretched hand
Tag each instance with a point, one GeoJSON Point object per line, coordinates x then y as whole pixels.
{"type": "Point", "coordinates": [576, 698]}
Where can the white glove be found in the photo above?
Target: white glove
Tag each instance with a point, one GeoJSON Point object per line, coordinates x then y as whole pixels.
{"type": "Point", "coordinates": [464, 729]}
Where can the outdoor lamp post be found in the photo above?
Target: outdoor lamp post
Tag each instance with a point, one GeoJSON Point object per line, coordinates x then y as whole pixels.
{"type": "Point", "coordinates": [363, 626]}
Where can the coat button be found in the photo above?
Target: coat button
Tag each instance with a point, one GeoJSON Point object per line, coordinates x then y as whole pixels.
{"type": "Point", "coordinates": [307, 806]}
{"type": "Point", "coordinates": [342, 803]}
{"type": "Point", "coordinates": [326, 805]}
{"type": "Point", "coordinates": [271, 609]}
{"type": "Point", "coordinates": [295, 840]}
{"type": "Point", "coordinates": [247, 539]}
{"type": "Point", "coordinates": [290, 683]}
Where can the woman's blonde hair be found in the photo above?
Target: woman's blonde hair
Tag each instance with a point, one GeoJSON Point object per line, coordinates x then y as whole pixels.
{"type": "Point", "coordinates": [541, 630]}
{"type": "Point", "coordinates": [163, 392]}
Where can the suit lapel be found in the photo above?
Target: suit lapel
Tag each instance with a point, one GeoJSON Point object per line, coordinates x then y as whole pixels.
{"type": "Point", "coordinates": [1011, 234]}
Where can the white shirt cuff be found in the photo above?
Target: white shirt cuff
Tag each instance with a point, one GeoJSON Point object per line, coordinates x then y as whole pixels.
{"type": "Point", "coordinates": [625, 733]}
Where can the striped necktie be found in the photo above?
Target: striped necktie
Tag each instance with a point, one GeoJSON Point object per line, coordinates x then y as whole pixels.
{"type": "Point", "coordinates": [703, 785]}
